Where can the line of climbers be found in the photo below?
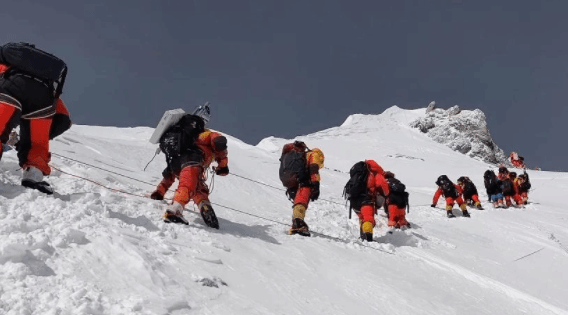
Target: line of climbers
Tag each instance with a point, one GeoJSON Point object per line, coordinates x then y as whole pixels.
{"type": "Point", "coordinates": [31, 84]}
{"type": "Point", "coordinates": [190, 149]}
{"type": "Point", "coordinates": [507, 185]}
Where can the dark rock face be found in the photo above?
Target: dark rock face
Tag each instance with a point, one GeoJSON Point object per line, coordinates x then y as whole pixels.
{"type": "Point", "coordinates": [464, 131]}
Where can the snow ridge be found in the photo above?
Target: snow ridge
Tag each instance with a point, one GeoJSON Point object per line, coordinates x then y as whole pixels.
{"type": "Point", "coordinates": [89, 249]}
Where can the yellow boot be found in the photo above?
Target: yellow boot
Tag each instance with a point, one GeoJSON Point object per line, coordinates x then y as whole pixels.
{"type": "Point", "coordinates": [367, 231]}
{"type": "Point", "coordinates": [298, 224]}
{"type": "Point", "coordinates": [449, 212]}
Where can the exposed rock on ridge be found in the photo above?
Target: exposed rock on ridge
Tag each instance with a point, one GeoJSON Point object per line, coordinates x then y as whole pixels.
{"type": "Point", "coordinates": [462, 130]}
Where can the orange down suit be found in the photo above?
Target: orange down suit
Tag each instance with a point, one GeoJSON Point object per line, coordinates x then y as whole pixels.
{"type": "Point", "coordinates": [520, 197]}
{"type": "Point", "coordinates": [376, 185]}
{"type": "Point", "coordinates": [450, 200]}
{"type": "Point", "coordinates": [30, 103]}
{"type": "Point", "coordinates": [314, 161]}
{"type": "Point", "coordinates": [192, 176]}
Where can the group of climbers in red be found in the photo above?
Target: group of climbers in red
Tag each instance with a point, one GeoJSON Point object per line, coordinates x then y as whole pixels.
{"type": "Point", "coordinates": [514, 188]}
{"type": "Point", "coordinates": [453, 193]}
{"type": "Point", "coordinates": [505, 187]}
{"type": "Point", "coordinates": [502, 190]}
{"type": "Point", "coordinates": [369, 188]}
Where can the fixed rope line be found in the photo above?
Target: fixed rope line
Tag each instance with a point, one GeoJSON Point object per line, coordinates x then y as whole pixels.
{"type": "Point", "coordinates": [153, 185]}
{"type": "Point", "coordinates": [278, 188]}
{"type": "Point", "coordinates": [536, 251]}
{"type": "Point", "coordinates": [216, 204]}
{"type": "Point", "coordinates": [97, 183]}
{"type": "Point", "coordinates": [311, 231]}
{"type": "Point", "coordinates": [255, 181]}
{"type": "Point", "coordinates": [138, 180]}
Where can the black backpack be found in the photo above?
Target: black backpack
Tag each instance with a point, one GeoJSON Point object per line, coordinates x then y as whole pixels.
{"type": "Point", "coordinates": [355, 189]}
{"type": "Point", "coordinates": [181, 136]}
{"type": "Point", "coordinates": [27, 59]}
{"type": "Point", "coordinates": [469, 186]}
{"type": "Point", "coordinates": [508, 189]}
{"type": "Point", "coordinates": [447, 186]}
{"type": "Point", "coordinates": [398, 195]}
{"type": "Point", "coordinates": [396, 186]}
{"type": "Point", "coordinates": [490, 180]}
{"type": "Point", "coordinates": [293, 168]}
{"type": "Point", "coordinates": [526, 184]}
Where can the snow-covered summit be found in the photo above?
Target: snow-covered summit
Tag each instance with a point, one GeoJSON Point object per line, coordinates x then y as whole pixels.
{"type": "Point", "coordinates": [392, 115]}
{"type": "Point", "coordinates": [465, 131]}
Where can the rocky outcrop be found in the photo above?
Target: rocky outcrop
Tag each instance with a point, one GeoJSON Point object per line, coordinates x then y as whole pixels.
{"type": "Point", "coordinates": [464, 131]}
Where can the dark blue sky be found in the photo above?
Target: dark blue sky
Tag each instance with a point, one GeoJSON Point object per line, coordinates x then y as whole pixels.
{"type": "Point", "coordinates": [287, 68]}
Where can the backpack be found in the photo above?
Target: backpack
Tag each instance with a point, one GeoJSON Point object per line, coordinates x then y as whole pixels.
{"type": "Point", "coordinates": [447, 186]}
{"type": "Point", "coordinates": [526, 184]}
{"type": "Point", "coordinates": [27, 59]}
{"type": "Point", "coordinates": [396, 186]}
{"type": "Point", "coordinates": [490, 180]}
{"type": "Point", "coordinates": [508, 189]}
{"type": "Point", "coordinates": [293, 168]}
{"type": "Point", "coordinates": [181, 136]}
{"type": "Point", "coordinates": [469, 187]}
{"type": "Point", "coordinates": [355, 189]}
{"type": "Point", "coordinates": [398, 195]}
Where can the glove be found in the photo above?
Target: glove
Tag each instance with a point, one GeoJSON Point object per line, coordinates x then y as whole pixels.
{"type": "Point", "coordinates": [222, 171]}
{"type": "Point", "coordinates": [156, 195]}
{"type": "Point", "coordinates": [433, 205]}
{"type": "Point", "coordinates": [315, 191]}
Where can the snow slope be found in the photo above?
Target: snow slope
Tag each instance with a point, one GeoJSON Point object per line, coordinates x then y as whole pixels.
{"type": "Point", "coordinates": [91, 250]}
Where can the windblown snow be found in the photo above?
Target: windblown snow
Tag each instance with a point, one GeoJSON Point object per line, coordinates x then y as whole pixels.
{"type": "Point", "coordinates": [91, 249]}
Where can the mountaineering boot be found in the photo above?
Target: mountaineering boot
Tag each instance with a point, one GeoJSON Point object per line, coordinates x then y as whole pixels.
{"type": "Point", "coordinates": [208, 215]}
{"type": "Point", "coordinates": [463, 208]}
{"type": "Point", "coordinates": [175, 214]}
{"type": "Point", "coordinates": [367, 231]}
{"type": "Point", "coordinates": [368, 237]}
{"type": "Point", "coordinates": [479, 207]}
{"type": "Point", "coordinates": [299, 227]}
{"type": "Point", "coordinates": [450, 214]}
{"type": "Point", "coordinates": [361, 234]}
{"type": "Point", "coordinates": [33, 178]}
